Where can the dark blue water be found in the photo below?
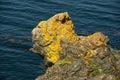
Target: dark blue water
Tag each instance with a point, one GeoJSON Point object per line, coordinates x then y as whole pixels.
{"type": "Point", "coordinates": [19, 17]}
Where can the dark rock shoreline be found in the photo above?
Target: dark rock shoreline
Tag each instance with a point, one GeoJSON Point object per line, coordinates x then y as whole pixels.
{"type": "Point", "coordinates": [74, 57]}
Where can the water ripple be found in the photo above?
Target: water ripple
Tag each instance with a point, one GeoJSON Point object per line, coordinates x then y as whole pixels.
{"type": "Point", "coordinates": [19, 17]}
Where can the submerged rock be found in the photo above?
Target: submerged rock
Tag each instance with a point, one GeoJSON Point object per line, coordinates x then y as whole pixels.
{"type": "Point", "coordinates": [74, 57]}
{"type": "Point", "coordinates": [5, 36]}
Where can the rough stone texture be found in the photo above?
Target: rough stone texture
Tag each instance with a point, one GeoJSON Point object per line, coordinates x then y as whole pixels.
{"type": "Point", "coordinates": [74, 57]}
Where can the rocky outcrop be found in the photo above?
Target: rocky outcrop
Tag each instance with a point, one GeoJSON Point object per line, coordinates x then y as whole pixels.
{"type": "Point", "coordinates": [47, 35]}
{"type": "Point", "coordinates": [74, 57]}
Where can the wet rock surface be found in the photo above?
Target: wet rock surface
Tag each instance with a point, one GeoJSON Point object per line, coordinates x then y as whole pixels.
{"type": "Point", "coordinates": [74, 57]}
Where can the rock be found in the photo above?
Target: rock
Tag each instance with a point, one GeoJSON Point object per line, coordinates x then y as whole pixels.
{"type": "Point", "coordinates": [12, 40]}
{"type": "Point", "coordinates": [103, 77]}
{"type": "Point", "coordinates": [74, 57]}
{"type": "Point", "coordinates": [47, 35]}
{"type": "Point", "coordinates": [5, 36]}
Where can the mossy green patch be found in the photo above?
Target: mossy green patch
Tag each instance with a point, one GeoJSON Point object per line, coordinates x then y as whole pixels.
{"type": "Point", "coordinates": [67, 60]}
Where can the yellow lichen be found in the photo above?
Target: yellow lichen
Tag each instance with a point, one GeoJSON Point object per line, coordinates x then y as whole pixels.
{"type": "Point", "coordinates": [92, 42]}
{"type": "Point", "coordinates": [48, 36]}
{"type": "Point", "coordinates": [52, 31]}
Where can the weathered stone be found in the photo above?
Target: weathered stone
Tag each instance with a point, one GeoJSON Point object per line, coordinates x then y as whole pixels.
{"type": "Point", "coordinates": [103, 77]}
{"type": "Point", "coordinates": [74, 57]}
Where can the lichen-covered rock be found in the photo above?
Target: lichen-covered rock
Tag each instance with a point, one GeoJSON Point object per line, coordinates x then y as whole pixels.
{"type": "Point", "coordinates": [74, 57]}
{"type": "Point", "coordinates": [47, 35]}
